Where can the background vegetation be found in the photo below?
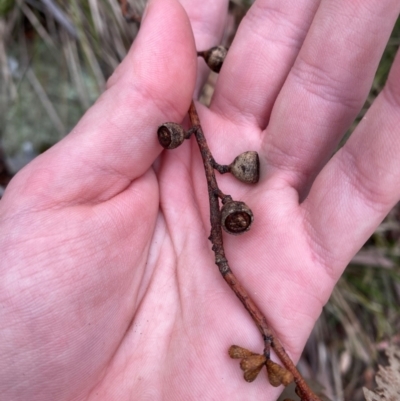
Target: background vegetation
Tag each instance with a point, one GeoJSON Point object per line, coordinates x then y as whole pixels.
{"type": "Point", "coordinates": [55, 57]}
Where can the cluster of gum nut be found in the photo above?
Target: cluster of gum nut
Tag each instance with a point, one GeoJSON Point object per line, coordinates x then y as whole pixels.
{"type": "Point", "coordinates": [236, 217]}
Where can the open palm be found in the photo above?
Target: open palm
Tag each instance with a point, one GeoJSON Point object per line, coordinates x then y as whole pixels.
{"type": "Point", "coordinates": [108, 286]}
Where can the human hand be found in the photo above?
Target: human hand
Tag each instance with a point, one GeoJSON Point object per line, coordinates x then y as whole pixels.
{"type": "Point", "coordinates": [109, 290]}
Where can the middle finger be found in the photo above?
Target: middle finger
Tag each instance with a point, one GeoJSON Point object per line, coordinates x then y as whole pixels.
{"type": "Point", "coordinates": [262, 53]}
{"type": "Point", "coordinates": [208, 19]}
{"type": "Point", "coordinates": [327, 86]}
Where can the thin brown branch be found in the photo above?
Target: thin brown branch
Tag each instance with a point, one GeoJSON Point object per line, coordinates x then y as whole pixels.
{"type": "Point", "coordinates": [269, 337]}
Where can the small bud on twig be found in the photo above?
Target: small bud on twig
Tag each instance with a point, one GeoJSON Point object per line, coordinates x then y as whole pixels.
{"type": "Point", "coordinates": [246, 167]}
{"type": "Point", "coordinates": [236, 217]}
{"type": "Point", "coordinates": [252, 362]}
{"type": "Point", "coordinates": [277, 374]}
{"type": "Point", "coordinates": [214, 57]}
{"type": "Point", "coordinates": [236, 352]}
{"type": "Point", "coordinates": [252, 366]}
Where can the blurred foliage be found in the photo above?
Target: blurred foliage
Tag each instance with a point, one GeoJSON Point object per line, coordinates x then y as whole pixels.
{"type": "Point", "coordinates": [6, 6]}
{"type": "Point", "coordinates": [55, 58]}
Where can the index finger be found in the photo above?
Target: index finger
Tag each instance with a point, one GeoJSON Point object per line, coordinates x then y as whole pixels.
{"type": "Point", "coordinates": [116, 142]}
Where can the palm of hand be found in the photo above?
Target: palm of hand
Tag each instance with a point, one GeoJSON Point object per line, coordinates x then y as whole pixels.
{"type": "Point", "coordinates": [112, 270]}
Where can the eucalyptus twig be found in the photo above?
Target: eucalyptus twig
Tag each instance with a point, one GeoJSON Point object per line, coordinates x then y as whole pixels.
{"type": "Point", "coordinates": [236, 218]}
{"type": "Point", "coordinates": [270, 339]}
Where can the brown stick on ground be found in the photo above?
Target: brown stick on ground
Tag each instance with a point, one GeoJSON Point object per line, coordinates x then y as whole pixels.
{"type": "Point", "coordinates": [214, 193]}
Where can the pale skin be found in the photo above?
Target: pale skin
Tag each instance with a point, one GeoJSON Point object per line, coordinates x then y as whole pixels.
{"type": "Point", "coordinates": [108, 286]}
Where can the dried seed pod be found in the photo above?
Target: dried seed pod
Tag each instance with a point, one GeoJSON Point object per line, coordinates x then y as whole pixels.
{"type": "Point", "coordinates": [273, 370]}
{"type": "Point", "coordinates": [252, 366]}
{"type": "Point", "coordinates": [236, 217]}
{"type": "Point", "coordinates": [246, 167]}
{"type": "Point", "coordinates": [252, 362]}
{"type": "Point", "coordinates": [237, 352]}
{"type": "Point", "coordinates": [278, 375]}
{"type": "Point", "coordinates": [214, 57]}
{"type": "Point", "coordinates": [251, 375]}
{"type": "Point", "coordinates": [287, 378]}
{"type": "Point", "coordinates": [171, 135]}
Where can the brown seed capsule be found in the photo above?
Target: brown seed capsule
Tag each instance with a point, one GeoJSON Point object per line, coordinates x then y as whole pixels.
{"type": "Point", "coordinates": [171, 135]}
{"type": "Point", "coordinates": [252, 366]}
{"type": "Point", "coordinates": [273, 370]}
{"type": "Point", "coordinates": [214, 57]}
{"type": "Point", "coordinates": [236, 217]}
{"type": "Point", "coordinates": [278, 375]}
{"type": "Point", "coordinates": [237, 352]}
{"type": "Point", "coordinates": [287, 378]}
{"type": "Point", "coordinates": [251, 375]}
{"type": "Point", "coordinates": [252, 362]}
{"type": "Point", "coordinates": [246, 167]}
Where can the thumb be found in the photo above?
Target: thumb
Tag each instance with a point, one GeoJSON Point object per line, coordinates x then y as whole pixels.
{"type": "Point", "coordinates": [115, 141]}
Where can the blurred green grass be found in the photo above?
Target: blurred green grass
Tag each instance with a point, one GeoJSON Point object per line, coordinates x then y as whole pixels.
{"type": "Point", "coordinates": [55, 62]}
{"type": "Point", "coordinates": [55, 58]}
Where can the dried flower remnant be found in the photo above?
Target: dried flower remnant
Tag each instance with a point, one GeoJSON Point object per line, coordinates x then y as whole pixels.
{"type": "Point", "coordinates": [252, 363]}
{"type": "Point", "coordinates": [236, 352]}
{"type": "Point", "coordinates": [277, 374]}
{"type": "Point", "coordinates": [252, 366]}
